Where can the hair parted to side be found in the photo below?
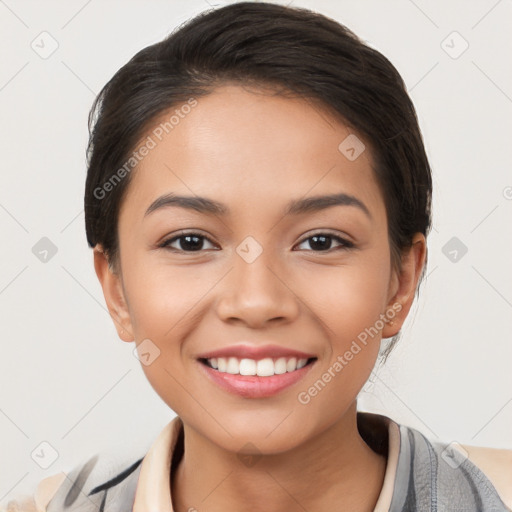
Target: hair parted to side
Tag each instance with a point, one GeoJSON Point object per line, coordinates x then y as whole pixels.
{"type": "Point", "coordinates": [290, 50]}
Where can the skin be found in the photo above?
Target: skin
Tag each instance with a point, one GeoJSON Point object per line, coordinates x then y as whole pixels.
{"type": "Point", "coordinates": [254, 153]}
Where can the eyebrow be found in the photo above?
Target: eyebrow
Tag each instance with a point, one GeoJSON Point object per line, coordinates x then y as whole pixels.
{"type": "Point", "coordinates": [295, 207]}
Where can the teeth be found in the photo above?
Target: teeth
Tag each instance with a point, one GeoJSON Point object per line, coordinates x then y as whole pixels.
{"type": "Point", "coordinates": [263, 367]}
{"type": "Point", "coordinates": [301, 363]}
{"type": "Point", "coordinates": [233, 366]}
{"type": "Point", "coordinates": [280, 366]}
{"type": "Point", "coordinates": [247, 367]}
{"type": "Point", "coordinates": [291, 364]}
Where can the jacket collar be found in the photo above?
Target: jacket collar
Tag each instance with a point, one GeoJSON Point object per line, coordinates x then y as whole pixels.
{"type": "Point", "coordinates": [153, 492]}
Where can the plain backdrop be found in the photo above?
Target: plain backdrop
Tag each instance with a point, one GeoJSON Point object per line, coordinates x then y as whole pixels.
{"type": "Point", "coordinates": [71, 388]}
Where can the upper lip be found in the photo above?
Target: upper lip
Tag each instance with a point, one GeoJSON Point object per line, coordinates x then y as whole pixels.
{"type": "Point", "coordinates": [245, 351]}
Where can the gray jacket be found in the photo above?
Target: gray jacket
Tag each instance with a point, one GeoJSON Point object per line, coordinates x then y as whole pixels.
{"type": "Point", "coordinates": [430, 476]}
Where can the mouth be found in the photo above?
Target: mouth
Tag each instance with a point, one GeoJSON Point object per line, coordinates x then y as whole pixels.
{"type": "Point", "coordinates": [255, 378]}
{"type": "Point", "coordinates": [266, 367]}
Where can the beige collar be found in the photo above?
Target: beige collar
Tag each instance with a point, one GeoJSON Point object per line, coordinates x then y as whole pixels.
{"type": "Point", "coordinates": [153, 493]}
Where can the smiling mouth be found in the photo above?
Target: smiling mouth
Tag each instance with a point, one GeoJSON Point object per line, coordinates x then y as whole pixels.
{"type": "Point", "coordinates": [266, 367]}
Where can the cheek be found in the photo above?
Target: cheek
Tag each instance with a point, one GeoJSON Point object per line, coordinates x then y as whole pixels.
{"type": "Point", "coordinates": [163, 302]}
{"type": "Point", "coordinates": [349, 298]}
{"type": "Point", "coordinates": [348, 301]}
{"type": "Point", "coordinates": [163, 297]}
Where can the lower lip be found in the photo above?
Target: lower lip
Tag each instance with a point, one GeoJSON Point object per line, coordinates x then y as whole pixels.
{"type": "Point", "coordinates": [252, 386]}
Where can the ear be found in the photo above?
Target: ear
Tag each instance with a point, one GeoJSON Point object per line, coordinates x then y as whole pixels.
{"type": "Point", "coordinates": [113, 292]}
{"type": "Point", "coordinates": [403, 285]}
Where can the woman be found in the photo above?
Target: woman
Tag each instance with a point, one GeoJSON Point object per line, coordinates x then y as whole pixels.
{"type": "Point", "coordinates": [258, 199]}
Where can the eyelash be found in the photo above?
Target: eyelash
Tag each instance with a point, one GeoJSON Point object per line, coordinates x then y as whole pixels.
{"type": "Point", "coordinates": [345, 244]}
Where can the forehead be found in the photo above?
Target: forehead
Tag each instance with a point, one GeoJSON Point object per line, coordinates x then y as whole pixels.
{"type": "Point", "coordinates": [238, 144]}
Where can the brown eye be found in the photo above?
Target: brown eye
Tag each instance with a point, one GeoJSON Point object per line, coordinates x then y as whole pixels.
{"type": "Point", "coordinates": [322, 242]}
{"type": "Point", "coordinates": [187, 242]}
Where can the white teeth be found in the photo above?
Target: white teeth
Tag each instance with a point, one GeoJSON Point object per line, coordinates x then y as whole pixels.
{"type": "Point", "coordinates": [233, 366]}
{"type": "Point", "coordinates": [301, 363]}
{"type": "Point", "coordinates": [222, 364]}
{"type": "Point", "coordinates": [247, 367]}
{"type": "Point", "coordinates": [291, 364]}
{"type": "Point", "coordinates": [280, 366]}
{"type": "Point", "coordinates": [263, 367]}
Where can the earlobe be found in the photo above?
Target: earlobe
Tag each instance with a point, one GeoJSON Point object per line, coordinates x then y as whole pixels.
{"type": "Point", "coordinates": [114, 294]}
{"type": "Point", "coordinates": [404, 285]}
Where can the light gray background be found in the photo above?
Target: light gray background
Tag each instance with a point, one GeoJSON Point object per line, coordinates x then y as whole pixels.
{"type": "Point", "coordinates": [69, 381]}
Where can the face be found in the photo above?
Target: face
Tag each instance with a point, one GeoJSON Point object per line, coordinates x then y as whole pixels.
{"type": "Point", "coordinates": [248, 270]}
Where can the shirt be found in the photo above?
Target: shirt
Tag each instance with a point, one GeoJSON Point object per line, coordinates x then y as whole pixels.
{"type": "Point", "coordinates": [421, 475]}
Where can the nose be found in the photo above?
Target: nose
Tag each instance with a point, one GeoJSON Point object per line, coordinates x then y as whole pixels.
{"type": "Point", "coordinates": [257, 293]}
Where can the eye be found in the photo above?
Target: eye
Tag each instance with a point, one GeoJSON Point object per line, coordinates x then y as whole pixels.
{"type": "Point", "coordinates": [321, 242]}
{"type": "Point", "coordinates": [187, 242]}
{"type": "Point", "coordinates": [194, 242]}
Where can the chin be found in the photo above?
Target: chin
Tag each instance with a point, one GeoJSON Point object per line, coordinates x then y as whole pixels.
{"type": "Point", "coordinates": [257, 433]}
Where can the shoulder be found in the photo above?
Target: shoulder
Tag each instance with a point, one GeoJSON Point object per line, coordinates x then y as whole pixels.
{"type": "Point", "coordinates": [475, 478]}
{"type": "Point", "coordinates": [496, 464]}
{"type": "Point", "coordinates": [37, 502]}
{"type": "Point", "coordinates": [107, 478]}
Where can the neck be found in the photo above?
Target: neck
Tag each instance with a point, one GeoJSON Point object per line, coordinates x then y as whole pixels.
{"type": "Point", "coordinates": [335, 470]}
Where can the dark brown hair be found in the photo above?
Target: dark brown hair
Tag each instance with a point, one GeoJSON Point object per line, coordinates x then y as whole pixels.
{"type": "Point", "coordinates": [291, 50]}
